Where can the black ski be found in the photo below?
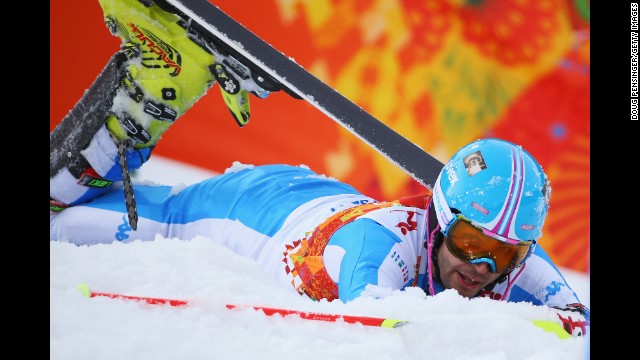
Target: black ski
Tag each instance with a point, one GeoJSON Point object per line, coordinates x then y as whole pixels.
{"type": "Point", "coordinates": [272, 70]}
{"type": "Point", "coordinates": [78, 127]}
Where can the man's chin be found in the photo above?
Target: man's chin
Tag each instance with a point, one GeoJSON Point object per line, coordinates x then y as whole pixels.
{"type": "Point", "coordinates": [466, 289]}
{"type": "Point", "coordinates": [469, 294]}
{"type": "Point", "coordinates": [466, 292]}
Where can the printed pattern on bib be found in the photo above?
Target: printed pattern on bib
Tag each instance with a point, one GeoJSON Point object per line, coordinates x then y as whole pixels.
{"type": "Point", "coordinates": [303, 258]}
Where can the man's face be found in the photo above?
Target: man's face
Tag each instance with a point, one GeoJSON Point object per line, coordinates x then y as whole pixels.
{"type": "Point", "coordinates": [467, 279]}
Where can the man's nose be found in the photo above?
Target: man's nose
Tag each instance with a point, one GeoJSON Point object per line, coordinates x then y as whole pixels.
{"type": "Point", "coordinates": [482, 267]}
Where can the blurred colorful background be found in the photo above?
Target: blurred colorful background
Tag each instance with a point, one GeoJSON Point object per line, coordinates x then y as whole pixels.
{"type": "Point", "coordinates": [440, 72]}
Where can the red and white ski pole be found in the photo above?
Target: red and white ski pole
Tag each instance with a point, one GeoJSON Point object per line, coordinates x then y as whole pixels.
{"type": "Point", "coordinates": [364, 320]}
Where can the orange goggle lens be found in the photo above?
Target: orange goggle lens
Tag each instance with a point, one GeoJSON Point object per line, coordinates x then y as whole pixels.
{"type": "Point", "coordinates": [470, 244]}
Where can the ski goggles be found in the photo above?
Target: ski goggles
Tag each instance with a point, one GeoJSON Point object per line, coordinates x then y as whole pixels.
{"type": "Point", "coordinates": [475, 245]}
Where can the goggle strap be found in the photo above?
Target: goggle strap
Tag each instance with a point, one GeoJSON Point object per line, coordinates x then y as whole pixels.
{"type": "Point", "coordinates": [442, 210]}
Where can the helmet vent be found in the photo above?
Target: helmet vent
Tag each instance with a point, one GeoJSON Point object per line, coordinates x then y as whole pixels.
{"type": "Point", "coordinates": [479, 208]}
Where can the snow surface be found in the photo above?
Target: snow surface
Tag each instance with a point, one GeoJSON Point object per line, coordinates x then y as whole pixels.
{"type": "Point", "coordinates": [210, 276]}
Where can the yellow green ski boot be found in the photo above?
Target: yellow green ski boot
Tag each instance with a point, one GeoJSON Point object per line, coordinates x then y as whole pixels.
{"type": "Point", "coordinates": [165, 75]}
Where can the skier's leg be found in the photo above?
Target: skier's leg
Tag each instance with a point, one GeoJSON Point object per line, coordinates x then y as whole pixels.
{"type": "Point", "coordinates": [157, 76]}
{"type": "Point", "coordinates": [161, 71]}
{"type": "Point", "coordinates": [125, 111]}
{"type": "Point", "coordinates": [104, 220]}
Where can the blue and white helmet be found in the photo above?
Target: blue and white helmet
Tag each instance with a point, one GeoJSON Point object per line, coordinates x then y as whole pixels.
{"type": "Point", "coordinates": [498, 186]}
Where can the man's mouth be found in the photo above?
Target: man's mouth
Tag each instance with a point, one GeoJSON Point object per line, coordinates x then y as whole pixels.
{"type": "Point", "coordinates": [468, 281]}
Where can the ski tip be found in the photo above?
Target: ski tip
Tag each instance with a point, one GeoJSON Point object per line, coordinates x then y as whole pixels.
{"type": "Point", "coordinates": [393, 323]}
{"type": "Point", "coordinates": [552, 327]}
{"type": "Point", "coordinates": [84, 290]}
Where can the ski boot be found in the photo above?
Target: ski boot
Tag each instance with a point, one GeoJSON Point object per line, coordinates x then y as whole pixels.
{"type": "Point", "coordinates": [158, 74]}
{"type": "Point", "coordinates": [176, 45]}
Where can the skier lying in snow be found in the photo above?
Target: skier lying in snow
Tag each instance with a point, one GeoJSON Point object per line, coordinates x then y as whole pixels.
{"type": "Point", "coordinates": [476, 232]}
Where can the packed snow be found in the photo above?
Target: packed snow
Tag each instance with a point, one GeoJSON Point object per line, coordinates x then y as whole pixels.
{"type": "Point", "coordinates": [209, 277]}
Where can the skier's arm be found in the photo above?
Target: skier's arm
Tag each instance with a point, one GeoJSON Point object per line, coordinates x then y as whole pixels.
{"type": "Point", "coordinates": [366, 247]}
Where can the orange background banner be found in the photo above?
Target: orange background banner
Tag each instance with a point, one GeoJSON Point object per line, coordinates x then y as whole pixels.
{"type": "Point", "coordinates": [440, 72]}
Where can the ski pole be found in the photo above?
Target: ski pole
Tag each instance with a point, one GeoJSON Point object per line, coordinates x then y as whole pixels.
{"type": "Point", "coordinates": [364, 320]}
